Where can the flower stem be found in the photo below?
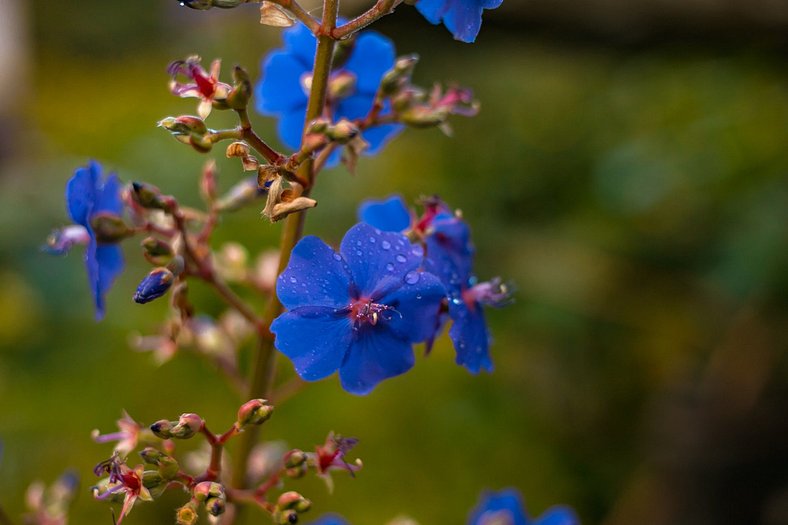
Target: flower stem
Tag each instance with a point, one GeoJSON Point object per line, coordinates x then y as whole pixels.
{"type": "Point", "coordinates": [379, 10]}
{"type": "Point", "coordinates": [262, 372]}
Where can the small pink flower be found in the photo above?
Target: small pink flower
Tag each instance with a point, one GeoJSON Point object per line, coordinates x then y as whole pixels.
{"type": "Point", "coordinates": [331, 456]}
{"type": "Point", "coordinates": [122, 480]}
{"type": "Point", "coordinates": [203, 85]}
{"type": "Point", "coordinates": [127, 435]}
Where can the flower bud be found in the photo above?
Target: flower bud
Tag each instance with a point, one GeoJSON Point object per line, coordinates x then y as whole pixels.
{"type": "Point", "coordinates": [156, 251]}
{"type": "Point", "coordinates": [254, 412]}
{"type": "Point", "coordinates": [154, 285]}
{"type": "Point", "coordinates": [215, 506]}
{"type": "Point", "coordinates": [150, 197]}
{"type": "Point", "coordinates": [152, 456]}
{"type": "Point", "coordinates": [285, 517]}
{"type": "Point", "coordinates": [239, 95]}
{"type": "Point", "coordinates": [296, 472]}
{"type": "Point", "coordinates": [189, 130]}
{"type": "Point", "coordinates": [203, 5]}
{"type": "Point", "coordinates": [341, 85]}
{"type": "Point", "coordinates": [207, 489]}
{"type": "Point", "coordinates": [293, 500]}
{"type": "Point", "coordinates": [162, 428]}
{"type": "Point", "coordinates": [188, 425]}
{"type": "Point", "coordinates": [294, 458]}
{"type": "Point", "coordinates": [343, 131]}
{"type": "Point", "coordinates": [109, 228]}
{"type": "Point", "coordinates": [208, 181]}
{"type": "Point", "coordinates": [399, 75]}
{"type": "Point", "coordinates": [187, 515]}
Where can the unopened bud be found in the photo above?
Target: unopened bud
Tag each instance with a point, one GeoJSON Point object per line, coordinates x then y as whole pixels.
{"type": "Point", "coordinates": [341, 85]}
{"type": "Point", "coordinates": [187, 515]}
{"type": "Point", "coordinates": [109, 228]}
{"type": "Point", "coordinates": [319, 125]}
{"type": "Point", "coordinates": [203, 5]}
{"type": "Point", "coordinates": [207, 489]}
{"type": "Point", "coordinates": [296, 472]}
{"type": "Point", "coordinates": [215, 506]}
{"type": "Point", "coordinates": [208, 181]}
{"type": "Point", "coordinates": [424, 117]}
{"type": "Point", "coordinates": [154, 285]}
{"type": "Point", "coordinates": [285, 517]}
{"type": "Point", "coordinates": [342, 132]}
{"type": "Point", "coordinates": [398, 75]}
{"type": "Point", "coordinates": [294, 458]}
{"type": "Point", "coordinates": [152, 456]}
{"type": "Point", "coordinates": [149, 197]}
{"type": "Point", "coordinates": [189, 130]}
{"type": "Point", "coordinates": [188, 425]}
{"type": "Point", "coordinates": [293, 500]}
{"type": "Point", "coordinates": [239, 95]}
{"type": "Point", "coordinates": [254, 412]}
{"type": "Point", "coordinates": [157, 251]}
{"type": "Point", "coordinates": [162, 428]}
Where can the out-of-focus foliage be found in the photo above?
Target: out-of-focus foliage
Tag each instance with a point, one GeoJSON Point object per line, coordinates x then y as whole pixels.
{"type": "Point", "coordinates": [637, 196]}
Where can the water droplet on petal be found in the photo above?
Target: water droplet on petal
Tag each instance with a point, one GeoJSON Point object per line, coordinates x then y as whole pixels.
{"type": "Point", "coordinates": [293, 280]}
{"type": "Point", "coordinates": [358, 243]}
{"type": "Point", "coordinates": [385, 245]}
{"type": "Point", "coordinates": [456, 300]}
{"type": "Point", "coordinates": [412, 277]}
{"type": "Point", "coordinates": [372, 240]}
{"type": "Point", "coordinates": [359, 253]}
{"type": "Point", "coordinates": [390, 267]}
{"type": "Point", "coordinates": [401, 258]}
{"type": "Point", "coordinates": [418, 296]}
{"type": "Point", "coordinates": [337, 257]}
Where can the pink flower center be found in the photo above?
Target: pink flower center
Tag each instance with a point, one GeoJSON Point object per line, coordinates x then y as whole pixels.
{"type": "Point", "coordinates": [365, 311]}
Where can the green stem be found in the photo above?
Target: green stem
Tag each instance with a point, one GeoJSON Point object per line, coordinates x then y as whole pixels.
{"type": "Point", "coordinates": [262, 373]}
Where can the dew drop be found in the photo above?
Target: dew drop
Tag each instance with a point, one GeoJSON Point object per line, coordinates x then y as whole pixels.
{"type": "Point", "coordinates": [385, 245]}
{"type": "Point", "coordinates": [401, 258]}
{"type": "Point", "coordinates": [412, 277]}
{"type": "Point", "coordinates": [358, 243]}
{"type": "Point", "coordinates": [293, 280]}
{"type": "Point", "coordinates": [456, 300]}
{"type": "Point", "coordinates": [390, 267]}
{"type": "Point", "coordinates": [418, 296]}
{"type": "Point", "coordinates": [359, 253]}
{"type": "Point", "coordinates": [372, 240]}
{"type": "Point", "coordinates": [337, 257]}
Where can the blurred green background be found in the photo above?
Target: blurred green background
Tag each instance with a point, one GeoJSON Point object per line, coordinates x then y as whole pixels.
{"type": "Point", "coordinates": [628, 171]}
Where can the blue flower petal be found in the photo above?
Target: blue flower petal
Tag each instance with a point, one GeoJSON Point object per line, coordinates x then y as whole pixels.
{"type": "Point", "coordinates": [558, 515]}
{"type": "Point", "coordinates": [109, 198]}
{"type": "Point", "coordinates": [375, 354]}
{"type": "Point", "coordinates": [92, 267]}
{"type": "Point", "coordinates": [280, 90]}
{"type": "Point", "coordinates": [81, 193]}
{"type": "Point", "coordinates": [390, 215]}
{"type": "Point", "coordinates": [470, 336]}
{"type": "Point", "coordinates": [432, 10]}
{"type": "Point", "coordinates": [315, 276]}
{"type": "Point", "coordinates": [316, 339]}
{"type": "Point", "coordinates": [417, 304]}
{"type": "Point", "coordinates": [378, 261]}
{"type": "Point", "coordinates": [109, 258]}
{"type": "Point", "coordinates": [373, 55]}
{"type": "Point", "coordinates": [450, 252]}
{"type": "Point", "coordinates": [300, 41]}
{"type": "Point", "coordinates": [506, 501]}
{"type": "Point", "coordinates": [291, 127]}
{"type": "Point", "coordinates": [330, 519]}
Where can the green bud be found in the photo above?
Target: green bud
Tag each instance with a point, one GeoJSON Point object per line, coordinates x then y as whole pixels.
{"type": "Point", "coordinates": [109, 228]}
{"type": "Point", "coordinates": [293, 500]}
{"type": "Point", "coordinates": [342, 132]}
{"type": "Point", "coordinates": [400, 74]}
{"type": "Point", "coordinates": [162, 428]}
{"type": "Point", "coordinates": [294, 458]}
{"type": "Point", "coordinates": [168, 468]}
{"type": "Point", "coordinates": [215, 506]}
{"type": "Point", "coordinates": [254, 412]}
{"type": "Point", "coordinates": [152, 456]}
{"type": "Point", "coordinates": [152, 479]}
{"type": "Point", "coordinates": [239, 96]}
{"type": "Point", "coordinates": [187, 426]}
{"type": "Point", "coordinates": [285, 517]}
{"type": "Point", "coordinates": [157, 251]}
{"type": "Point", "coordinates": [149, 197]}
{"type": "Point", "coordinates": [341, 85]}
{"type": "Point", "coordinates": [296, 472]}
{"type": "Point", "coordinates": [207, 489]}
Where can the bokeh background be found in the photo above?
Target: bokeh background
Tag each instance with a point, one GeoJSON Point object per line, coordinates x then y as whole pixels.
{"type": "Point", "coordinates": [628, 171]}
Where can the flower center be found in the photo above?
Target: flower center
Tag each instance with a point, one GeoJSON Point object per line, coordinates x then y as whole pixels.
{"type": "Point", "coordinates": [365, 311]}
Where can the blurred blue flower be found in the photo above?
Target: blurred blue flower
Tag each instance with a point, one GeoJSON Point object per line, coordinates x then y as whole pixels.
{"type": "Point", "coordinates": [89, 196]}
{"type": "Point", "coordinates": [506, 508]}
{"type": "Point", "coordinates": [330, 519]}
{"type": "Point", "coordinates": [357, 311]}
{"type": "Point", "coordinates": [463, 18]}
{"type": "Point", "coordinates": [287, 75]}
{"type": "Point", "coordinates": [449, 256]}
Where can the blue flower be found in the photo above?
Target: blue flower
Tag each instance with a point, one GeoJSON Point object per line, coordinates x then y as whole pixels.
{"type": "Point", "coordinates": [330, 519]}
{"type": "Point", "coordinates": [463, 18]}
{"type": "Point", "coordinates": [506, 508]}
{"type": "Point", "coordinates": [357, 311]}
{"type": "Point", "coordinates": [283, 90]}
{"type": "Point", "coordinates": [449, 255]}
{"type": "Point", "coordinates": [88, 197]}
